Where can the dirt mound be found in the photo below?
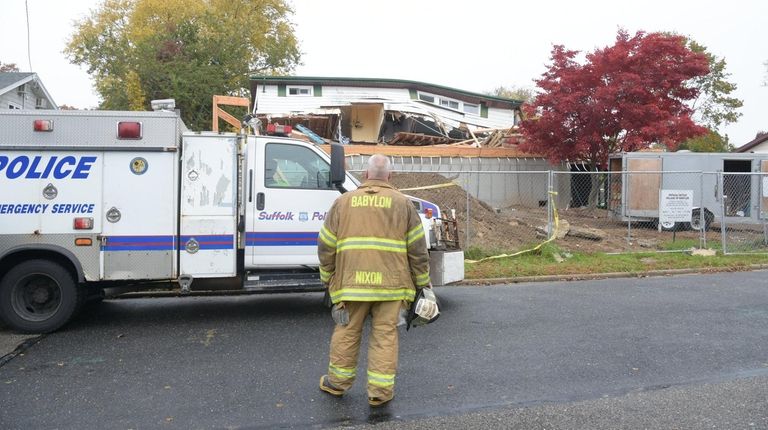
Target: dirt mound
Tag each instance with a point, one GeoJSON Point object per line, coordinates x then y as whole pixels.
{"type": "Point", "coordinates": [487, 228]}
{"type": "Point", "coordinates": [513, 228]}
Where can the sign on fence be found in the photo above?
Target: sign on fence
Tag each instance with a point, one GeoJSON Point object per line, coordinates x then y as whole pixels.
{"type": "Point", "coordinates": [675, 206]}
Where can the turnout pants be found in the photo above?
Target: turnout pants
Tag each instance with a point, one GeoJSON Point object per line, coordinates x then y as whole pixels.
{"type": "Point", "coordinates": [382, 347]}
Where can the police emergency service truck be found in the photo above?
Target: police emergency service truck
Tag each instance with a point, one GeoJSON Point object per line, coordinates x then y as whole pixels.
{"type": "Point", "coordinates": [94, 200]}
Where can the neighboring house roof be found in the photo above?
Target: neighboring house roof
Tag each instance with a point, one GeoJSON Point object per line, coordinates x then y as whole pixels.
{"type": "Point", "coordinates": [491, 101]}
{"type": "Point", "coordinates": [9, 81]}
{"type": "Point", "coordinates": [754, 142]}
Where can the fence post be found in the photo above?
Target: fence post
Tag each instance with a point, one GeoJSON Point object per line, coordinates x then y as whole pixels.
{"type": "Point", "coordinates": [722, 212]}
{"type": "Point", "coordinates": [468, 217]}
{"type": "Point", "coordinates": [702, 214]}
{"type": "Point", "coordinates": [550, 223]}
{"type": "Point", "coordinates": [479, 177]}
{"type": "Point", "coordinates": [628, 205]}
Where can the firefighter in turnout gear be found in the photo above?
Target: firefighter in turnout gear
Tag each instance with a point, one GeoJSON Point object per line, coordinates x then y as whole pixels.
{"type": "Point", "coordinates": [373, 257]}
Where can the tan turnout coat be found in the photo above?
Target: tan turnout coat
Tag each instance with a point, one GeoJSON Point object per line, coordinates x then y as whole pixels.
{"type": "Point", "coordinates": [372, 247]}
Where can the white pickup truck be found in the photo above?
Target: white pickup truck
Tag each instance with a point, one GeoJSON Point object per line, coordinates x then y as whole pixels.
{"type": "Point", "coordinates": [97, 199]}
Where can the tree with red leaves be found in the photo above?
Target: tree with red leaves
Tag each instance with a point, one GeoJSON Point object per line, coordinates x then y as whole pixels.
{"type": "Point", "coordinates": [625, 97]}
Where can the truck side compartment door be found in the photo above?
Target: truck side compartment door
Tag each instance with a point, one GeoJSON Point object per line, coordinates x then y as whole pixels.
{"type": "Point", "coordinates": [208, 206]}
{"type": "Point", "coordinates": [139, 215]}
{"type": "Point", "coordinates": [291, 195]}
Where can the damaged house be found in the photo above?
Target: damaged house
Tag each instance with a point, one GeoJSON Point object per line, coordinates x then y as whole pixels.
{"type": "Point", "coordinates": [388, 111]}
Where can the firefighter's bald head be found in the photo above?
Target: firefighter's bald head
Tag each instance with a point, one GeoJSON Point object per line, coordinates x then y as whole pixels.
{"type": "Point", "coordinates": [378, 168]}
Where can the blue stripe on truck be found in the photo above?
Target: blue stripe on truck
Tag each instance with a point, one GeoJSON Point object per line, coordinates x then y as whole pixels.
{"type": "Point", "coordinates": [281, 238]}
{"type": "Point", "coordinates": [207, 242]}
{"type": "Point", "coordinates": [139, 243]}
{"type": "Point", "coordinates": [166, 243]}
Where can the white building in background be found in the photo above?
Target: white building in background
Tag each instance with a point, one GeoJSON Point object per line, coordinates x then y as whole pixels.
{"type": "Point", "coordinates": [369, 110]}
{"type": "Point", "coordinates": [758, 144]}
{"type": "Point", "coordinates": [23, 90]}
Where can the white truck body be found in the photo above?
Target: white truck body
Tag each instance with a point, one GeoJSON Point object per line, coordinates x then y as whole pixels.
{"type": "Point", "coordinates": [163, 204]}
{"type": "Point", "coordinates": [721, 184]}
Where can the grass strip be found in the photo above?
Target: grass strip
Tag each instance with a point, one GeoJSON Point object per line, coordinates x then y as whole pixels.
{"type": "Point", "coordinates": [550, 260]}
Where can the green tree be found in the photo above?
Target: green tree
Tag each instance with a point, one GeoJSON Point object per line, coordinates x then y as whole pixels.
{"type": "Point", "coordinates": [189, 50]}
{"type": "Point", "coordinates": [514, 92]}
{"type": "Point", "coordinates": [715, 106]}
{"type": "Point", "coordinates": [710, 142]}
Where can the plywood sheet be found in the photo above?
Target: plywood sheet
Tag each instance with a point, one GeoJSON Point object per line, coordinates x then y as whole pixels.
{"type": "Point", "coordinates": [643, 188]}
{"type": "Point", "coordinates": [366, 122]}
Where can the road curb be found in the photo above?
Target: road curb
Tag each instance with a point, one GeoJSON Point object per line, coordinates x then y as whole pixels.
{"type": "Point", "coordinates": [609, 275]}
{"type": "Point", "coordinates": [480, 282]}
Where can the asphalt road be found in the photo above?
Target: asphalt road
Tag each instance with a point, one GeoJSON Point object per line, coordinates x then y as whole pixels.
{"type": "Point", "coordinates": [686, 352]}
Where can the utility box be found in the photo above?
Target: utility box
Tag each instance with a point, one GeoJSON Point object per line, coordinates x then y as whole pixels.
{"type": "Point", "coordinates": [446, 267]}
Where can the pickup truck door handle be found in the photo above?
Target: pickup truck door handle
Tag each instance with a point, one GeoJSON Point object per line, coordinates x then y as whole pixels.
{"type": "Point", "coordinates": [260, 201]}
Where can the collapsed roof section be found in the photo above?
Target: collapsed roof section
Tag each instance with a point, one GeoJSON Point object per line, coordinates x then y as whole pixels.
{"type": "Point", "coordinates": [394, 112]}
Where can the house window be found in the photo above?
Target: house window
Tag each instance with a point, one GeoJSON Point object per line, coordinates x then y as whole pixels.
{"type": "Point", "coordinates": [443, 101]}
{"type": "Point", "coordinates": [472, 108]}
{"type": "Point", "coordinates": [453, 104]}
{"type": "Point", "coordinates": [39, 103]}
{"type": "Point", "coordinates": [12, 105]}
{"type": "Point", "coordinates": [426, 98]}
{"type": "Point", "coordinates": [299, 91]}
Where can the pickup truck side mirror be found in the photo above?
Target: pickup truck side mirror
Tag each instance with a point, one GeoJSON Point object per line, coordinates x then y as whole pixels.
{"type": "Point", "coordinates": [338, 174]}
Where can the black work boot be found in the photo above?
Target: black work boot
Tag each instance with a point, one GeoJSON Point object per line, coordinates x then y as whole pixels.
{"type": "Point", "coordinates": [329, 388]}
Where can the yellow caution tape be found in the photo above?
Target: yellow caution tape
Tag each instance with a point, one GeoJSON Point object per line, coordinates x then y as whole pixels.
{"type": "Point", "coordinates": [430, 187]}
{"type": "Point", "coordinates": [554, 235]}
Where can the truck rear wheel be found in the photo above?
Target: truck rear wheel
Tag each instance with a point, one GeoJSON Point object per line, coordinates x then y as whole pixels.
{"type": "Point", "coordinates": [38, 296]}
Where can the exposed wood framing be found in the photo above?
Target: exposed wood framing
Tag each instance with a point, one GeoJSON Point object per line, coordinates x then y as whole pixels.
{"type": "Point", "coordinates": [219, 113]}
{"type": "Point", "coordinates": [418, 139]}
{"type": "Point", "coordinates": [322, 125]}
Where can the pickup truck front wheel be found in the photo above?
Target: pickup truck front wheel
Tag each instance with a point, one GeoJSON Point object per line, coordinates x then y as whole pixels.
{"type": "Point", "coordinates": [38, 296]}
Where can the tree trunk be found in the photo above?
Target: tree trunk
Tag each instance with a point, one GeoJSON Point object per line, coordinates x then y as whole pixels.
{"type": "Point", "coordinates": [598, 180]}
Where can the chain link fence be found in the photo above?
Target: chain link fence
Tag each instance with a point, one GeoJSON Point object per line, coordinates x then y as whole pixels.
{"type": "Point", "coordinates": [744, 209]}
{"type": "Point", "coordinates": [502, 210]}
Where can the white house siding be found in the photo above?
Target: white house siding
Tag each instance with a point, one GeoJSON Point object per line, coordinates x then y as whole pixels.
{"type": "Point", "coordinates": [501, 118]}
{"type": "Point", "coordinates": [26, 101]}
{"type": "Point", "coordinates": [269, 103]}
{"type": "Point", "coordinates": [10, 100]}
{"type": "Point", "coordinates": [760, 148]}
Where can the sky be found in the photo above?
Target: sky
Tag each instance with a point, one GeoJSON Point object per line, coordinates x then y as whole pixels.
{"type": "Point", "coordinates": [471, 45]}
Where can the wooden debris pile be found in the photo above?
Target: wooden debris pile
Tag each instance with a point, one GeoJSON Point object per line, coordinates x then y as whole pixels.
{"type": "Point", "coordinates": [492, 138]}
{"type": "Point", "coordinates": [418, 139]}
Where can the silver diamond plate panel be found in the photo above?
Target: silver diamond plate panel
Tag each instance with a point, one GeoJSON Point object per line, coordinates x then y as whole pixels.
{"type": "Point", "coordinates": [88, 256]}
{"type": "Point", "coordinates": [89, 129]}
{"type": "Point", "coordinates": [138, 265]}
